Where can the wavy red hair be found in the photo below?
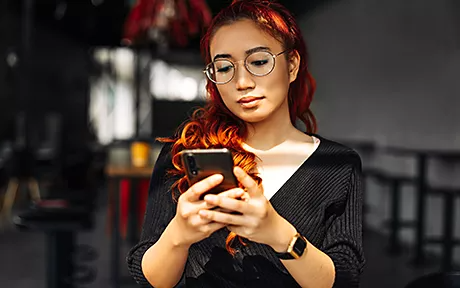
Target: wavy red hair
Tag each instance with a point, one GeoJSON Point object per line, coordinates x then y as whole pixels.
{"type": "Point", "coordinates": [214, 126]}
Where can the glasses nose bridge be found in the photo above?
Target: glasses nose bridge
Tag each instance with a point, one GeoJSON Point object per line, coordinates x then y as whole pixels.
{"type": "Point", "coordinates": [241, 64]}
{"type": "Point", "coordinates": [240, 67]}
{"type": "Point", "coordinates": [242, 75]}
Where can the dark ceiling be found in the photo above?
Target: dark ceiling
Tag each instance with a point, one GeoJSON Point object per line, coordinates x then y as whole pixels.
{"type": "Point", "coordinates": [101, 24]}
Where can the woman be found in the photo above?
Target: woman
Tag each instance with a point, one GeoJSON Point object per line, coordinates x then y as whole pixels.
{"type": "Point", "coordinates": [300, 222]}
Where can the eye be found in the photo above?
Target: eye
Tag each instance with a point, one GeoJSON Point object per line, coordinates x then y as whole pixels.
{"type": "Point", "coordinates": [259, 62]}
{"type": "Point", "coordinates": [224, 69]}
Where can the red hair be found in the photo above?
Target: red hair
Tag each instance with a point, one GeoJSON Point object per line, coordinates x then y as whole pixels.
{"type": "Point", "coordinates": [214, 126]}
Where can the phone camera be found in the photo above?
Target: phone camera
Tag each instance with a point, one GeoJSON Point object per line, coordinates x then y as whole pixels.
{"type": "Point", "coordinates": [192, 164]}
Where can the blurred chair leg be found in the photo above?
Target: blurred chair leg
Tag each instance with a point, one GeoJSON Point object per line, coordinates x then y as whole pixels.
{"type": "Point", "coordinates": [34, 189]}
{"type": "Point", "coordinates": [111, 190]}
{"type": "Point", "coordinates": [10, 195]}
{"type": "Point", "coordinates": [394, 245]}
{"type": "Point", "coordinates": [448, 231]}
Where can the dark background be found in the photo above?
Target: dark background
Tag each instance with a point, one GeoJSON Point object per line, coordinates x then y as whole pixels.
{"type": "Point", "coordinates": [60, 50]}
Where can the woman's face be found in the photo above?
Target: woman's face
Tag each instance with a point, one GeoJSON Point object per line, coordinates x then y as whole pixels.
{"type": "Point", "coordinates": [249, 97]}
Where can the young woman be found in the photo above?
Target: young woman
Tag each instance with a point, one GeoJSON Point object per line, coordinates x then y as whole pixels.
{"type": "Point", "coordinates": [300, 222]}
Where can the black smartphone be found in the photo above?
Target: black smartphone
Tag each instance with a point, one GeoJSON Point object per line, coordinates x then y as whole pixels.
{"type": "Point", "coordinates": [202, 163]}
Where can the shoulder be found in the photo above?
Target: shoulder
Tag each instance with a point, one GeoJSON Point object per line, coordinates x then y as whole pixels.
{"type": "Point", "coordinates": [163, 161]}
{"type": "Point", "coordinates": [338, 153]}
{"type": "Point", "coordinates": [165, 149]}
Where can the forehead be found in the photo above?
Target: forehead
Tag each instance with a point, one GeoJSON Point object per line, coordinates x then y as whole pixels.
{"type": "Point", "coordinates": [240, 36]}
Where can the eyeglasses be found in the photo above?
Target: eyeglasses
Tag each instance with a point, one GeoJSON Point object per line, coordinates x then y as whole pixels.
{"type": "Point", "coordinates": [261, 63]}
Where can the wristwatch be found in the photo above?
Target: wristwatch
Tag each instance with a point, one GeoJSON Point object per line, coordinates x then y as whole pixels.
{"type": "Point", "coordinates": [296, 248]}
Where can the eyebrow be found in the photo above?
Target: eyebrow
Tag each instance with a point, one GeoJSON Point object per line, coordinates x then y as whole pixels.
{"type": "Point", "coordinates": [247, 52]}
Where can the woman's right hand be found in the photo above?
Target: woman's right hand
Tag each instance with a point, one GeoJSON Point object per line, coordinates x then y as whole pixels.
{"type": "Point", "coordinates": [191, 227]}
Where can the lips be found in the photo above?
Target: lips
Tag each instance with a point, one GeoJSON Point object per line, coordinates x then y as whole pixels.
{"type": "Point", "coordinates": [248, 99]}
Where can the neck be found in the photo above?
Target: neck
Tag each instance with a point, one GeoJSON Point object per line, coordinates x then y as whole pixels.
{"type": "Point", "coordinates": [272, 131]}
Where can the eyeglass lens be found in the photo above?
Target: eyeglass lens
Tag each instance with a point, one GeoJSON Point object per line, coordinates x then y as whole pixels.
{"type": "Point", "coordinates": [258, 63]}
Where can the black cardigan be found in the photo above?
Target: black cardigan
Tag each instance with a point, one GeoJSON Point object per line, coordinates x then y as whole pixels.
{"type": "Point", "coordinates": [322, 199]}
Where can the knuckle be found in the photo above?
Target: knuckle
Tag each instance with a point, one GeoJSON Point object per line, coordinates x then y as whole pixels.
{"type": "Point", "coordinates": [204, 229]}
{"type": "Point", "coordinates": [181, 199]}
{"type": "Point", "coordinates": [248, 231]}
{"type": "Point", "coordinates": [184, 214]}
{"type": "Point", "coordinates": [193, 189]}
{"type": "Point", "coordinates": [194, 222]}
{"type": "Point", "coordinates": [240, 205]}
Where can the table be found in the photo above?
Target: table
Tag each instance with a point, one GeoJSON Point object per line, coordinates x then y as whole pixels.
{"type": "Point", "coordinates": [422, 156]}
{"type": "Point", "coordinates": [115, 172]}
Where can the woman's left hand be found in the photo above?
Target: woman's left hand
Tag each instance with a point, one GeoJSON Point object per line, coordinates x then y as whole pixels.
{"type": "Point", "coordinates": [257, 220]}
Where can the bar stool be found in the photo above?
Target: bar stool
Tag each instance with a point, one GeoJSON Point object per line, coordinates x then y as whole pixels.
{"type": "Point", "coordinates": [21, 170]}
{"type": "Point", "coordinates": [61, 223]}
{"type": "Point", "coordinates": [447, 240]}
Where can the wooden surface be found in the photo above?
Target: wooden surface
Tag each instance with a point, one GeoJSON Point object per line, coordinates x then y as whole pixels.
{"type": "Point", "coordinates": [119, 164]}
{"type": "Point", "coordinates": [128, 171]}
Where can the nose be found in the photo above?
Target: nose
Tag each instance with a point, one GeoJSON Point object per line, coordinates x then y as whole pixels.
{"type": "Point", "coordinates": [243, 78]}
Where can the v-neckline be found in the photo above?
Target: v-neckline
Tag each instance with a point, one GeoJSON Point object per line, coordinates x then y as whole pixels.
{"type": "Point", "coordinates": [297, 171]}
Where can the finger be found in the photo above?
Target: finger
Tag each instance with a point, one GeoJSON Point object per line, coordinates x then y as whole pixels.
{"type": "Point", "coordinates": [196, 190]}
{"type": "Point", "coordinates": [251, 186]}
{"type": "Point", "coordinates": [203, 205]}
{"type": "Point", "coordinates": [198, 221]}
{"type": "Point", "coordinates": [227, 203]}
{"type": "Point", "coordinates": [224, 218]}
{"type": "Point", "coordinates": [208, 206]}
{"type": "Point", "coordinates": [234, 193]}
{"type": "Point", "coordinates": [213, 227]}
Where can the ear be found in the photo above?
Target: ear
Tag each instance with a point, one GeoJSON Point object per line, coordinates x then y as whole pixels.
{"type": "Point", "coordinates": [293, 64]}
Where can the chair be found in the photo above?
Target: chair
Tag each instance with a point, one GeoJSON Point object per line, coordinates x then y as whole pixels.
{"type": "Point", "coordinates": [395, 223]}
{"type": "Point", "coordinates": [447, 240]}
{"type": "Point", "coordinates": [437, 280]}
{"type": "Point", "coordinates": [61, 223]}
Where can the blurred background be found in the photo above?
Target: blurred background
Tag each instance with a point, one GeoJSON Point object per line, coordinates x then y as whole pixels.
{"type": "Point", "coordinates": [86, 86]}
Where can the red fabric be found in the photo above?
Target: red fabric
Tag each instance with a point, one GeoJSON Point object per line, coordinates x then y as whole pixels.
{"type": "Point", "coordinates": [142, 201]}
{"type": "Point", "coordinates": [142, 196]}
{"type": "Point", "coordinates": [125, 188]}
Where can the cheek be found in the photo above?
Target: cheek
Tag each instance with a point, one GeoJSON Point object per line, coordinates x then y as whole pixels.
{"type": "Point", "coordinates": [226, 95]}
{"type": "Point", "coordinates": [276, 84]}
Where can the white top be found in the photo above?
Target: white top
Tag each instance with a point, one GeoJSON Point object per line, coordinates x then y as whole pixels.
{"type": "Point", "coordinates": [280, 163]}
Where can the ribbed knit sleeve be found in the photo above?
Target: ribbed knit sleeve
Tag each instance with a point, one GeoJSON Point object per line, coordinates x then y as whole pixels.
{"type": "Point", "coordinates": [343, 242]}
{"type": "Point", "coordinates": [160, 210]}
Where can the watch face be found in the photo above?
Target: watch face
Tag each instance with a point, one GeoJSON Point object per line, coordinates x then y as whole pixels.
{"type": "Point", "coordinates": [296, 250]}
{"type": "Point", "coordinates": [299, 247]}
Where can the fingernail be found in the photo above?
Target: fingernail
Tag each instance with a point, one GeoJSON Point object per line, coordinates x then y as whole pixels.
{"type": "Point", "coordinates": [203, 213]}
{"type": "Point", "coordinates": [237, 170]}
{"type": "Point", "coordinates": [217, 177]}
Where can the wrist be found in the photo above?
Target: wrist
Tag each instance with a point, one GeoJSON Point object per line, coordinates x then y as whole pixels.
{"type": "Point", "coordinates": [283, 236]}
{"type": "Point", "coordinates": [175, 236]}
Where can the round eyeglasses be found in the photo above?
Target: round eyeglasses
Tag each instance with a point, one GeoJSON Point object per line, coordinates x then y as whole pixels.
{"type": "Point", "coordinates": [260, 63]}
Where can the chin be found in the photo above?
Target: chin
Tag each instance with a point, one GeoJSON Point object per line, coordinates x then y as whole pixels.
{"type": "Point", "coordinates": [252, 116]}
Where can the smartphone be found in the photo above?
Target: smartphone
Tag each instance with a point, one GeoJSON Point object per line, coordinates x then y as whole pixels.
{"type": "Point", "coordinates": [202, 163]}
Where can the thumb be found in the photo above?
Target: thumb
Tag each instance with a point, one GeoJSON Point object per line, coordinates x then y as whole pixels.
{"type": "Point", "coordinates": [250, 184]}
